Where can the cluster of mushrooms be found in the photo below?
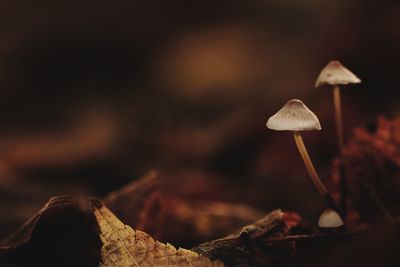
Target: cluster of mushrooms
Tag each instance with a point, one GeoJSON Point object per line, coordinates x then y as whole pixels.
{"type": "Point", "coordinates": [295, 116]}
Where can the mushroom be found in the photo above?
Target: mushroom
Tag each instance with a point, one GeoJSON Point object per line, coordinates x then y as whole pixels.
{"type": "Point", "coordinates": [336, 74]}
{"type": "Point", "coordinates": [297, 117]}
{"type": "Point", "coordinates": [330, 219]}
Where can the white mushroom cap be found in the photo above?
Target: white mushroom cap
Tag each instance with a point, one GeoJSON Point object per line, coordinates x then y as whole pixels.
{"type": "Point", "coordinates": [330, 219]}
{"type": "Point", "coordinates": [294, 116]}
{"type": "Point", "coordinates": [336, 73]}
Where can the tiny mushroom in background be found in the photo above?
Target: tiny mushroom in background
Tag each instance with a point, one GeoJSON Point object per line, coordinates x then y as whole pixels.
{"type": "Point", "coordinates": [336, 74]}
{"type": "Point", "coordinates": [330, 219]}
{"type": "Point", "coordinates": [297, 117]}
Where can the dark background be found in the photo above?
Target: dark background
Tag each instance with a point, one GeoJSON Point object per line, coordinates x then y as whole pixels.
{"type": "Point", "coordinates": [93, 94]}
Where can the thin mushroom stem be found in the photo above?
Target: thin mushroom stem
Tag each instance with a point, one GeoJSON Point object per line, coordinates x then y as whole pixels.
{"type": "Point", "coordinates": [339, 128]}
{"type": "Point", "coordinates": [309, 165]}
{"type": "Point", "coordinates": [312, 172]}
{"type": "Point", "coordinates": [338, 117]}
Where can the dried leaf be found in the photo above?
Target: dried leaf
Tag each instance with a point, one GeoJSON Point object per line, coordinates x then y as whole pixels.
{"type": "Point", "coordinates": [60, 234]}
{"type": "Point", "coordinates": [123, 246]}
{"type": "Point", "coordinates": [24, 233]}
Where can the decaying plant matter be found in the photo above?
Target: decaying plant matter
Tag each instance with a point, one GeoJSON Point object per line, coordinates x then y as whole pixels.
{"type": "Point", "coordinates": [373, 162]}
{"type": "Point", "coordinates": [64, 234]}
{"type": "Point", "coordinates": [123, 246]}
{"type": "Point", "coordinates": [61, 224]}
{"type": "Point", "coordinates": [147, 205]}
{"type": "Point", "coordinates": [60, 234]}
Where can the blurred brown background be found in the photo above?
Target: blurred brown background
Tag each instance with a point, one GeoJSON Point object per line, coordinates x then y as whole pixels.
{"type": "Point", "coordinates": [95, 93]}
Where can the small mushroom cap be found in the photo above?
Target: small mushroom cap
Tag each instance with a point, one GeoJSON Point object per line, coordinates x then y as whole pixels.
{"type": "Point", "coordinates": [336, 73]}
{"type": "Point", "coordinates": [294, 116]}
{"type": "Point", "coordinates": [330, 219]}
